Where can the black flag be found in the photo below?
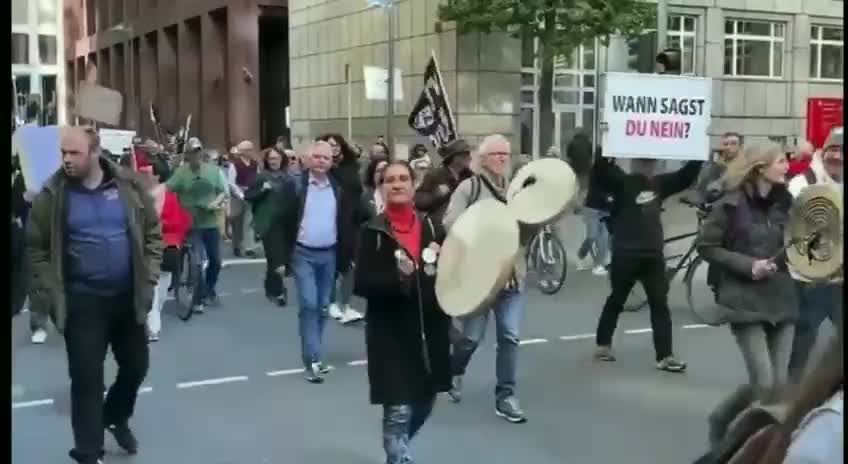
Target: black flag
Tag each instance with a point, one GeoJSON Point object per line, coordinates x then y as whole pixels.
{"type": "Point", "coordinates": [431, 116]}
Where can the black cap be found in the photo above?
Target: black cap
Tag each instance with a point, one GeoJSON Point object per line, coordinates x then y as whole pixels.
{"type": "Point", "coordinates": [457, 147]}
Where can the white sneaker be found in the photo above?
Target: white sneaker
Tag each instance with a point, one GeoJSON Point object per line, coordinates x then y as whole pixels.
{"type": "Point", "coordinates": [599, 271]}
{"type": "Point", "coordinates": [351, 315]}
{"type": "Point", "coordinates": [335, 312]}
{"type": "Point", "coordinates": [584, 264]}
{"type": "Point", "coordinates": [39, 336]}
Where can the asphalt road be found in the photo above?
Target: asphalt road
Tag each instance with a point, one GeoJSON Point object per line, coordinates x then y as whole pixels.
{"type": "Point", "coordinates": [225, 389]}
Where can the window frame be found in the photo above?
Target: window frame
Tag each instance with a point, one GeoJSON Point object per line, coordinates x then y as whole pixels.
{"type": "Point", "coordinates": [771, 39]}
{"type": "Point", "coordinates": [682, 34]}
{"type": "Point", "coordinates": [818, 42]}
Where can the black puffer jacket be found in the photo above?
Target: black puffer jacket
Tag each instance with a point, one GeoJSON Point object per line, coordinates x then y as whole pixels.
{"type": "Point", "coordinates": [346, 173]}
{"type": "Point", "coordinates": [741, 228]}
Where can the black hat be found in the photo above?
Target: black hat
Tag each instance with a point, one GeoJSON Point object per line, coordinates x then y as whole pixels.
{"type": "Point", "coordinates": [457, 147]}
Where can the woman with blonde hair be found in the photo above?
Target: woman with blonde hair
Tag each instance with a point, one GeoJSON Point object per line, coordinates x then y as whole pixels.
{"type": "Point", "coordinates": [742, 239]}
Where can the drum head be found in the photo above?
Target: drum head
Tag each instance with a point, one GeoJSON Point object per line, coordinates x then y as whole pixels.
{"type": "Point", "coordinates": [541, 191]}
{"type": "Point", "coordinates": [476, 258]}
{"type": "Point", "coordinates": [815, 233]}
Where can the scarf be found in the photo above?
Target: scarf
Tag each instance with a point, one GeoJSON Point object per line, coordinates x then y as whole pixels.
{"type": "Point", "coordinates": [406, 228]}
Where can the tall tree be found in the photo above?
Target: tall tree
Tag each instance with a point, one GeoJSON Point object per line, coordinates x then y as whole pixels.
{"type": "Point", "coordinates": [561, 27]}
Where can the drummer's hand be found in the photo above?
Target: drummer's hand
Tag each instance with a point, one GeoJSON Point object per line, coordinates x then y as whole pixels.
{"type": "Point", "coordinates": [406, 266]}
{"type": "Point", "coordinates": [29, 195]}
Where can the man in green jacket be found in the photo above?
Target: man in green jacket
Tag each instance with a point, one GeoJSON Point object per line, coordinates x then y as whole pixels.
{"type": "Point", "coordinates": [95, 246]}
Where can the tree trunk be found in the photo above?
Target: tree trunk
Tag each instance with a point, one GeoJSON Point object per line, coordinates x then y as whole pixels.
{"type": "Point", "coordinates": [546, 86]}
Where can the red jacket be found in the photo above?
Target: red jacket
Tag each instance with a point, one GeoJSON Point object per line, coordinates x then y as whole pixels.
{"type": "Point", "coordinates": [176, 221]}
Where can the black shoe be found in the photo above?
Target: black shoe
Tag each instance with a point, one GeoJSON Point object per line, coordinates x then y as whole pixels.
{"type": "Point", "coordinates": [250, 254]}
{"type": "Point", "coordinates": [237, 253]}
{"type": "Point", "coordinates": [281, 301]}
{"type": "Point", "coordinates": [75, 456]}
{"type": "Point", "coordinates": [124, 436]}
{"type": "Point", "coordinates": [311, 376]}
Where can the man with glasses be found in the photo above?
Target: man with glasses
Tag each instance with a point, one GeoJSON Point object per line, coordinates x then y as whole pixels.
{"type": "Point", "coordinates": [492, 181]}
{"type": "Point", "coordinates": [817, 301]}
{"type": "Point", "coordinates": [201, 190]}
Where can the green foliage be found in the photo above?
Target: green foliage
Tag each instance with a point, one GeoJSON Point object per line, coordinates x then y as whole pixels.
{"type": "Point", "coordinates": [576, 21]}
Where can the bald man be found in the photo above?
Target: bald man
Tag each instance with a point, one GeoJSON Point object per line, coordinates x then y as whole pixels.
{"type": "Point", "coordinates": [320, 226]}
{"type": "Point", "coordinates": [96, 267]}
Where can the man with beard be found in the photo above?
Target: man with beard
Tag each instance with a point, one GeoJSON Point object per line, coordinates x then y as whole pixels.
{"type": "Point", "coordinates": [707, 187]}
{"type": "Point", "coordinates": [823, 300]}
{"type": "Point", "coordinates": [434, 193]}
{"type": "Point", "coordinates": [95, 246]}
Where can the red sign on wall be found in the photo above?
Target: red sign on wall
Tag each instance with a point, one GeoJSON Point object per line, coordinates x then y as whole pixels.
{"type": "Point", "coordinates": [823, 114]}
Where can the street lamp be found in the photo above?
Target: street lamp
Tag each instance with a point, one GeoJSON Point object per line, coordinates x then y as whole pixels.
{"type": "Point", "coordinates": [388, 6]}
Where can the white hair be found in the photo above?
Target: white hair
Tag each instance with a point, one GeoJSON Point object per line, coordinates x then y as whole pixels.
{"type": "Point", "coordinates": [485, 148]}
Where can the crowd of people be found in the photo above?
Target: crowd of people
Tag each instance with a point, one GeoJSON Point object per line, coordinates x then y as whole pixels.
{"type": "Point", "coordinates": [340, 227]}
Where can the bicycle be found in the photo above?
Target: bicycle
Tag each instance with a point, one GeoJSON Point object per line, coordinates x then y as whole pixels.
{"type": "Point", "coordinates": [690, 261]}
{"type": "Point", "coordinates": [186, 282]}
{"type": "Point", "coordinates": [545, 253]}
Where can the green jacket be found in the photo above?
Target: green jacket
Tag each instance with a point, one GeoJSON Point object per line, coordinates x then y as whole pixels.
{"type": "Point", "coordinates": [45, 245]}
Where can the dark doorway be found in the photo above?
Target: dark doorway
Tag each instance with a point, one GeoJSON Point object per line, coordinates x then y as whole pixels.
{"type": "Point", "coordinates": [273, 78]}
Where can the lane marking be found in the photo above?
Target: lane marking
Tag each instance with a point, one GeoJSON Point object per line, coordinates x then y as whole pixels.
{"type": "Point", "coordinates": [638, 331]}
{"type": "Point", "coordinates": [696, 326]}
{"type": "Point", "coordinates": [32, 404]}
{"type": "Point", "coordinates": [250, 290]}
{"type": "Point", "coordinates": [241, 261]}
{"type": "Point", "coordinates": [359, 362]}
{"type": "Point", "coordinates": [145, 390]}
{"type": "Point", "coordinates": [533, 341]}
{"type": "Point", "coordinates": [569, 338]}
{"type": "Point", "coordinates": [284, 372]}
{"type": "Point", "coordinates": [203, 383]}
{"type": "Point", "coordinates": [225, 294]}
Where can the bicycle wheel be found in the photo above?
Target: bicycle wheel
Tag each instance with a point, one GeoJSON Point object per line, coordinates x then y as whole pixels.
{"type": "Point", "coordinates": [700, 296]}
{"type": "Point", "coordinates": [551, 264]}
{"type": "Point", "coordinates": [187, 280]}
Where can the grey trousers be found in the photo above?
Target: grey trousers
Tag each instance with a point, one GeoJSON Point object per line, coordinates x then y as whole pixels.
{"type": "Point", "coordinates": [242, 224]}
{"type": "Point", "coordinates": [766, 350]}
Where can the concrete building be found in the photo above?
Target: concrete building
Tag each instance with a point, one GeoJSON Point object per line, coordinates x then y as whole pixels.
{"type": "Point", "coordinates": [198, 57]}
{"type": "Point", "coordinates": [37, 50]}
{"type": "Point", "coordinates": [765, 58]}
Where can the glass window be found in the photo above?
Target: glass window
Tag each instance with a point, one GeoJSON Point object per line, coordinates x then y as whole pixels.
{"type": "Point", "coordinates": [20, 12]}
{"type": "Point", "coordinates": [527, 96]}
{"type": "Point", "coordinates": [754, 49]}
{"type": "Point", "coordinates": [50, 99]}
{"type": "Point", "coordinates": [20, 48]}
{"type": "Point", "coordinates": [526, 130]}
{"type": "Point", "coordinates": [588, 98]}
{"type": "Point", "coordinates": [589, 81]}
{"type": "Point", "coordinates": [681, 35]}
{"type": "Point", "coordinates": [565, 80]}
{"type": "Point", "coordinates": [528, 51]}
{"type": "Point", "coordinates": [47, 49]}
{"type": "Point", "coordinates": [47, 10]}
{"type": "Point", "coordinates": [826, 53]}
{"type": "Point", "coordinates": [565, 98]}
{"type": "Point", "coordinates": [528, 79]}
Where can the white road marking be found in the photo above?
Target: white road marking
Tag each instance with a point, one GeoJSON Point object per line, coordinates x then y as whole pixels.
{"type": "Point", "coordinates": [225, 294]}
{"type": "Point", "coordinates": [32, 404]}
{"type": "Point", "coordinates": [240, 261]}
{"type": "Point", "coordinates": [203, 383]}
{"type": "Point", "coordinates": [696, 326]}
{"type": "Point", "coordinates": [145, 390]}
{"type": "Point", "coordinates": [533, 341]}
{"type": "Point", "coordinates": [360, 362]}
{"type": "Point", "coordinates": [284, 372]}
{"type": "Point", "coordinates": [250, 290]}
{"type": "Point", "coordinates": [638, 331]}
{"type": "Point", "coordinates": [569, 338]}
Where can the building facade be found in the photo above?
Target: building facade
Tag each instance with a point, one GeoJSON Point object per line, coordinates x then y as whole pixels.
{"type": "Point", "coordinates": [766, 59]}
{"type": "Point", "coordinates": [37, 50]}
{"type": "Point", "coordinates": [187, 57]}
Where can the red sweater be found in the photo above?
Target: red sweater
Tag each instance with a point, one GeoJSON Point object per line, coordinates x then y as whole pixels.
{"type": "Point", "coordinates": [176, 221]}
{"type": "Point", "coordinates": [797, 166]}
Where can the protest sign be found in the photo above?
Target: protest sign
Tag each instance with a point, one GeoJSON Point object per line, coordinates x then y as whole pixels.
{"type": "Point", "coordinates": [99, 103]}
{"type": "Point", "coordinates": [116, 140]}
{"type": "Point", "coordinates": [657, 116]}
{"type": "Point", "coordinates": [39, 154]}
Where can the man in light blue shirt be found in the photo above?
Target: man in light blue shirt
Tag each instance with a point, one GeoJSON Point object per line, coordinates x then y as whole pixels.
{"type": "Point", "coordinates": [318, 223]}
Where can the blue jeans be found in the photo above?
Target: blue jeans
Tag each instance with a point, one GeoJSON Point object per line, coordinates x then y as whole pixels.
{"type": "Point", "coordinates": [816, 302]}
{"type": "Point", "coordinates": [508, 309]}
{"type": "Point", "coordinates": [596, 242]}
{"type": "Point", "coordinates": [314, 276]}
{"type": "Point", "coordinates": [400, 424]}
{"type": "Point", "coordinates": [207, 243]}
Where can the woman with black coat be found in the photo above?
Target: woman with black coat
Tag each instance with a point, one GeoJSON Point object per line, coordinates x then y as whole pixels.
{"type": "Point", "coordinates": [743, 241]}
{"type": "Point", "coordinates": [406, 332]}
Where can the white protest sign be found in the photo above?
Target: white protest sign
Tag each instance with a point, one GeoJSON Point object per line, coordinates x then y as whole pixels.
{"type": "Point", "coordinates": [115, 140]}
{"type": "Point", "coordinates": [39, 154]}
{"type": "Point", "coordinates": [657, 116]}
{"type": "Point", "coordinates": [377, 86]}
{"type": "Point", "coordinates": [99, 103]}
